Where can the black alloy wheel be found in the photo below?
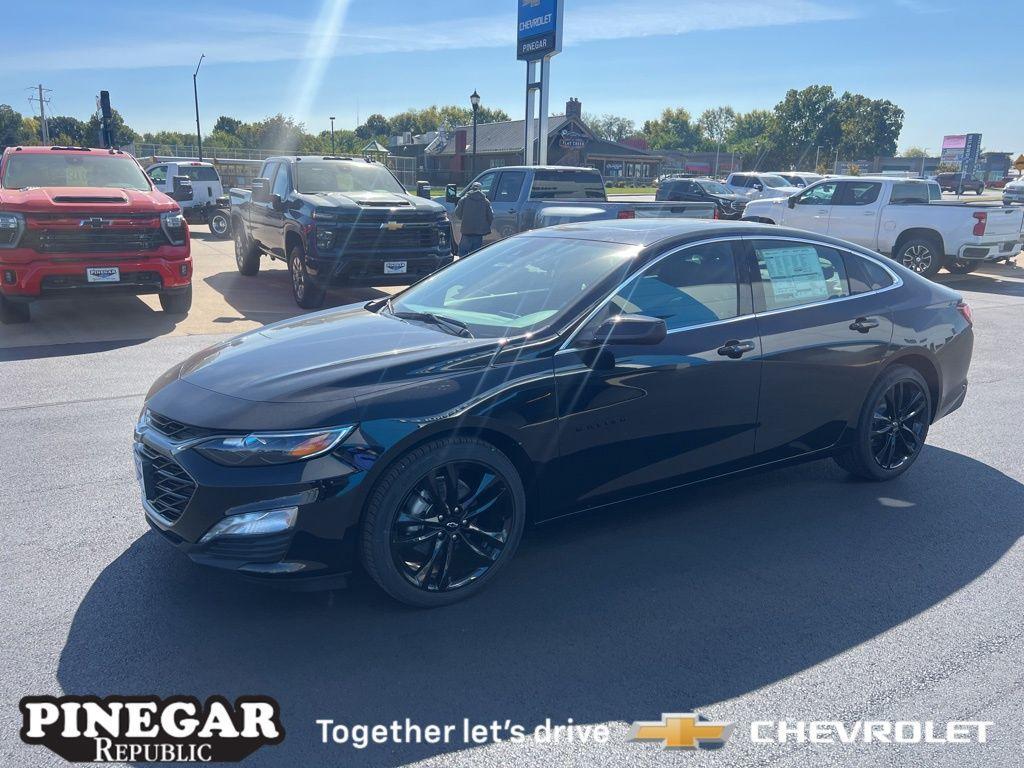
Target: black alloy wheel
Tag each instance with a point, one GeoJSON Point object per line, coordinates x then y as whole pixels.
{"type": "Point", "coordinates": [307, 294]}
{"type": "Point", "coordinates": [452, 527]}
{"type": "Point", "coordinates": [247, 256]}
{"type": "Point", "coordinates": [892, 427]}
{"type": "Point", "coordinates": [899, 424]}
{"type": "Point", "coordinates": [442, 521]}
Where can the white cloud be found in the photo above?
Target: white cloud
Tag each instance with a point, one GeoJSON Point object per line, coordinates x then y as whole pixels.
{"type": "Point", "coordinates": [247, 37]}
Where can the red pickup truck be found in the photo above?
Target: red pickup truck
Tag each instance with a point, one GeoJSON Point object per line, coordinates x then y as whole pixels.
{"type": "Point", "coordinates": [87, 221]}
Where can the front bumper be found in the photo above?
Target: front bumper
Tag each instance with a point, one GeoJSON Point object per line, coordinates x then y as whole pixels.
{"type": "Point", "coordinates": [185, 496]}
{"type": "Point", "coordinates": [372, 269]}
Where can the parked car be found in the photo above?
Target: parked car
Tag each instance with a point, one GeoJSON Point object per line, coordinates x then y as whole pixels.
{"type": "Point", "coordinates": [755, 186]}
{"type": "Point", "coordinates": [950, 182]}
{"type": "Point", "coordinates": [337, 221]}
{"type": "Point", "coordinates": [902, 219]}
{"type": "Point", "coordinates": [1000, 183]}
{"type": "Point", "coordinates": [563, 369]}
{"type": "Point", "coordinates": [530, 197]}
{"type": "Point", "coordinates": [209, 205]}
{"type": "Point", "coordinates": [730, 204]}
{"type": "Point", "coordinates": [799, 178]}
{"type": "Point", "coordinates": [1014, 192]}
{"type": "Point", "coordinates": [77, 221]}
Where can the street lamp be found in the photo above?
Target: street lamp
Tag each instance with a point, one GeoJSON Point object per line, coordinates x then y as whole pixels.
{"type": "Point", "coordinates": [332, 135]}
{"type": "Point", "coordinates": [195, 93]}
{"type": "Point", "coordinates": [474, 99]}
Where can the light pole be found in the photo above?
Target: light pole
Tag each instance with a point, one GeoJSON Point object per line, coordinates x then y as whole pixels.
{"type": "Point", "coordinates": [332, 135]}
{"type": "Point", "coordinates": [195, 93]}
{"type": "Point", "coordinates": [817, 152]}
{"type": "Point", "coordinates": [474, 99]}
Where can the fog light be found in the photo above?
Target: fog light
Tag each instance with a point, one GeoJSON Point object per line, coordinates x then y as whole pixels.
{"type": "Point", "coordinates": [324, 239]}
{"type": "Point", "coordinates": [9, 277]}
{"type": "Point", "coordinates": [253, 524]}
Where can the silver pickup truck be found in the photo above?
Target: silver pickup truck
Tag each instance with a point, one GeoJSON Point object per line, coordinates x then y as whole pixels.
{"type": "Point", "coordinates": [531, 197]}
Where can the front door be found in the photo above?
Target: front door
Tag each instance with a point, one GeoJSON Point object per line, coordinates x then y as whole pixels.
{"type": "Point", "coordinates": [261, 209]}
{"type": "Point", "coordinates": [640, 418]}
{"type": "Point", "coordinates": [822, 345]}
{"type": "Point", "coordinates": [813, 208]}
{"type": "Point", "coordinates": [504, 199]}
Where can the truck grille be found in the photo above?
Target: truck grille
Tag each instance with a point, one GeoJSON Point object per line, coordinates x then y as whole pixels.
{"type": "Point", "coordinates": [169, 488]}
{"type": "Point", "coordinates": [374, 238]}
{"type": "Point", "coordinates": [84, 240]}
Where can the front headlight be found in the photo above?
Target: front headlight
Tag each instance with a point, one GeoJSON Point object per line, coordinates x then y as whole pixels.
{"type": "Point", "coordinates": [173, 225]}
{"type": "Point", "coordinates": [11, 227]}
{"type": "Point", "coordinates": [324, 239]}
{"type": "Point", "coordinates": [267, 448]}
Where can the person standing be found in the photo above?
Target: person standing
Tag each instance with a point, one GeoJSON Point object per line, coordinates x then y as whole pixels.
{"type": "Point", "coordinates": [475, 212]}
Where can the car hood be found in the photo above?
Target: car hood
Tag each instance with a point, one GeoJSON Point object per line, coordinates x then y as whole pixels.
{"type": "Point", "coordinates": [84, 200]}
{"type": "Point", "coordinates": [383, 201]}
{"type": "Point", "coordinates": [338, 354]}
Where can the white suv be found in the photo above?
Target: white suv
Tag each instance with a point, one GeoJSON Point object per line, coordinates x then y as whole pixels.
{"type": "Point", "coordinates": [757, 186]}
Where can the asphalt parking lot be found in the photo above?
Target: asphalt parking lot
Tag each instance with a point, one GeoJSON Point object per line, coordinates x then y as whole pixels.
{"type": "Point", "coordinates": [797, 594]}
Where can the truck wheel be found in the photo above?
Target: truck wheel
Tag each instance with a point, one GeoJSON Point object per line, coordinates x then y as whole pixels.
{"type": "Point", "coordinates": [177, 303]}
{"type": "Point", "coordinates": [921, 254]}
{"type": "Point", "coordinates": [247, 256]}
{"type": "Point", "coordinates": [307, 295]}
{"type": "Point", "coordinates": [962, 266]}
{"type": "Point", "coordinates": [220, 227]}
{"type": "Point", "coordinates": [14, 311]}
{"type": "Point", "coordinates": [980, 189]}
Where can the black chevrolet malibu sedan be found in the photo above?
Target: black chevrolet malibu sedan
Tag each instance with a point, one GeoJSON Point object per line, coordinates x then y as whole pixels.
{"type": "Point", "coordinates": [559, 370]}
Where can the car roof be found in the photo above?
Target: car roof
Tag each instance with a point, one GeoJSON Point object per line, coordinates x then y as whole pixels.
{"type": "Point", "coordinates": [541, 168]}
{"type": "Point", "coordinates": [647, 232]}
{"type": "Point", "coordinates": [66, 151]}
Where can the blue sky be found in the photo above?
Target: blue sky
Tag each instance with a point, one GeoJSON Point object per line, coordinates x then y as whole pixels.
{"type": "Point", "coordinates": [938, 59]}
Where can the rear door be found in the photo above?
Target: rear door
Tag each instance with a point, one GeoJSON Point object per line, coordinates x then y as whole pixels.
{"type": "Point", "coordinates": [206, 185]}
{"type": "Point", "coordinates": [856, 212]}
{"type": "Point", "coordinates": [505, 201]}
{"type": "Point", "coordinates": [822, 342]}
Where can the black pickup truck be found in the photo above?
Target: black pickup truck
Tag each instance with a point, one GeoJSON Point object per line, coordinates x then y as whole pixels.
{"type": "Point", "coordinates": [337, 221]}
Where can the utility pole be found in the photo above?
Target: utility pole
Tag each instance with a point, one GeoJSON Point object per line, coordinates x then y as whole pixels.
{"type": "Point", "coordinates": [332, 136]}
{"type": "Point", "coordinates": [43, 101]}
{"type": "Point", "coordinates": [195, 93]}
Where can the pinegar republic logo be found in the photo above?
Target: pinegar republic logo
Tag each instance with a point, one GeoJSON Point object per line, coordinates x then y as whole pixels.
{"type": "Point", "coordinates": [87, 729]}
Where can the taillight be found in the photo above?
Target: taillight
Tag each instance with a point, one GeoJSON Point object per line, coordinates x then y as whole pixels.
{"type": "Point", "coordinates": [965, 309]}
{"type": "Point", "coordinates": [626, 215]}
{"type": "Point", "coordinates": [981, 220]}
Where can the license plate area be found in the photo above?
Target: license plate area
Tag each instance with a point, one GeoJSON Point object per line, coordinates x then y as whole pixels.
{"type": "Point", "coordinates": [103, 274]}
{"type": "Point", "coordinates": [395, 267]}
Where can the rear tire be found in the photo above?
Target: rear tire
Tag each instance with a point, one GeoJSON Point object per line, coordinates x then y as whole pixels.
{"type": "Point", "coordinates": [470, 519]}
{"type": "Point", "coordinates": [177, 303]}
{"type": "Point", "coordinates": [247, 255]}
{"type": "Point", "coordinates": [922, 255]}
{"type": "Point", "coordinates": [12, 312]}
{"type": "Point", "coordinates": [897, 412]}
{"type": "Point", "coordinates": [962, 267]}
{"type": "Point", "coordinates": [307, 294]}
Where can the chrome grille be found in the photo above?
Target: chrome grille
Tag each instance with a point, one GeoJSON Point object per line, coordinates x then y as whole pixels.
{"type": "Point", "coordinates": [169, 488]}
{"type": "Point", "coordinates": [85, 240]}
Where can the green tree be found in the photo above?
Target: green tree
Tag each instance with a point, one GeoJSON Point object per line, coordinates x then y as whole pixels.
{"type": "Point", "coordinates": [610, 127]}
{"type": "Point", "coordinates": [227, 124]}
{"type": "Point", "coordinates": [67, 131]}
{"type": "Point", "coordinates": [12, 127]}
{"type": "Point", "coordinates": [376, 125]}
{"type": "Point", "coordinates": [805, 120]}
{"type": "Point", "coordinates": [122, 133]}
{"type": "Point", "coordinates": [277, 132]}
{"type": "Point", "coordinates": [673, 130]}
{"type": "Point", "coordinates": [915, 152]}
{"type": "Point", "coordinates": [717, 124]}
{"type": "Point", "coordinates": [869, 127]}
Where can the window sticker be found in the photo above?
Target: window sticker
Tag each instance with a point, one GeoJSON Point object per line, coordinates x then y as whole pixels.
{"type": "Point", "coordinates": [795, 274]}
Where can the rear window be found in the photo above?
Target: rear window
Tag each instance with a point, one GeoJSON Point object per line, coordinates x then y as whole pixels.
{"type": "Point", "coordinates": [908, 192]}
{"type": "Point", "coordinates": [74, 170]}
{"type": "Point", "coordinates": [567, 185]}
{"type": "Point", "coordinates": [198, 172]}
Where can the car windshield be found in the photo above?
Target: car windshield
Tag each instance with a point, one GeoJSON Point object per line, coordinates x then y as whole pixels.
{"type": "Point", "coordinates": [519, 285]}
{"type": "Point", "coordinates": [774, 181]}
{"type": "Point", "coordinates": [715, 188]}
{"type": "Point", "coordinates": [74, 170]}
{"type": "Point", "coordinates": [344, 176]}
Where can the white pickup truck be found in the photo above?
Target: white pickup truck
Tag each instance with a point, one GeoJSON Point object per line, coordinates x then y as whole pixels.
{"type": "Point", "coordinates": [901, 218]}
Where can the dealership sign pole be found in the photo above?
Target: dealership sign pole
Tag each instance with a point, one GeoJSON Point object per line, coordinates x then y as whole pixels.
{"type": "Point", "coordinates": [538, 38]}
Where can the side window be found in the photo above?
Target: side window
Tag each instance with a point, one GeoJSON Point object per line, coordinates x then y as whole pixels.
{"type": "Point", "coordinates": [794, 273]}
{"type": "Point", "coordinates": [282, 181]}
{"type": "Point", "coordinates": [509, 187]}
{"type": "Point", "coordinates": [865, 275]}
{"type": "Point", "coordinates": [688, 288]}
{"type": "Point", "coordinates": [268, 173]}
{"type": "Point", "coordinates": [822, 194]}
{"type": "Point", "coordinates": [487, 182]}
{"type": "Point", "coordinates": [158, 174]}
{"type": "Point", "coordinates": [860, 192]}
{"type": "Point", "coordinates": [909, 192]}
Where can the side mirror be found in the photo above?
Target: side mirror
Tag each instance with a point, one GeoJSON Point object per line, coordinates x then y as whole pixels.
{"type": "Point", "coordinates": [631, 329]}
{"type": "Point", "coordinates": [423, 189]}
{"type": "Point", "coordinates": [759, 187]}
{"type": "Point", "coordinates": [182, 189]}
{"type": "Point", "coordinates": [792, 201]}
{"type": "Point", "coordinates": [260, 188]}
{"type": "Point", "coordinates": [451, 194]}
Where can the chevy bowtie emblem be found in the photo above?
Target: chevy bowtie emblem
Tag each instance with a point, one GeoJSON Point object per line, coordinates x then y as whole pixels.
{"type": "Point", "coordinates": [94, 223]}
{"type": "Point", "coordinates": [391, 226]}
{"type": "Point", "coordinates": [681, 731]}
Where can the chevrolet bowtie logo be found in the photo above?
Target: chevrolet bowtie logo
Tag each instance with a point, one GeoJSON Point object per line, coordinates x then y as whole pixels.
{"type": "Point", "coordinates": [681, 731]}
{"type": "Point", "coordinates": [95, 223]}
{"type": "Point", "coordinates": [391, 226]}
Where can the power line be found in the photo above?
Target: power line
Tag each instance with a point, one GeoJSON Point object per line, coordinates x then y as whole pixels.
{"type": "Point", "coordinates": [43, 101]}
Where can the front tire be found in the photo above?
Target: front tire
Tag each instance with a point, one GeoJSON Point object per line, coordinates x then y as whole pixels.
{"type": "Point", "coordinates": [892, 426]}
{"type": "Point", "coordinates": [923, 255]}
{"type": "Point", "coordinates": [177, 303]}
{"type": "Point", "coordinates": [247, 255]}
{"type": "Point", "coordinates": [443, 521]}
{"type": "Point", "coordinates": [307, 294]}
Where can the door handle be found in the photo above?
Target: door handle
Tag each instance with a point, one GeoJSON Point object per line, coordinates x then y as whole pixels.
{"type": "Point", "coordinates": [868, 213]}
{"type": "Point", "coordinates": [736, 349]}
{"type": "Point", "coordinates": [863, 324]}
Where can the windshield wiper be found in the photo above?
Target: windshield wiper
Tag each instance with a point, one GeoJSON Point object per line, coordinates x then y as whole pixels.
{"type": "Point", "coordinates": [452, 326]}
